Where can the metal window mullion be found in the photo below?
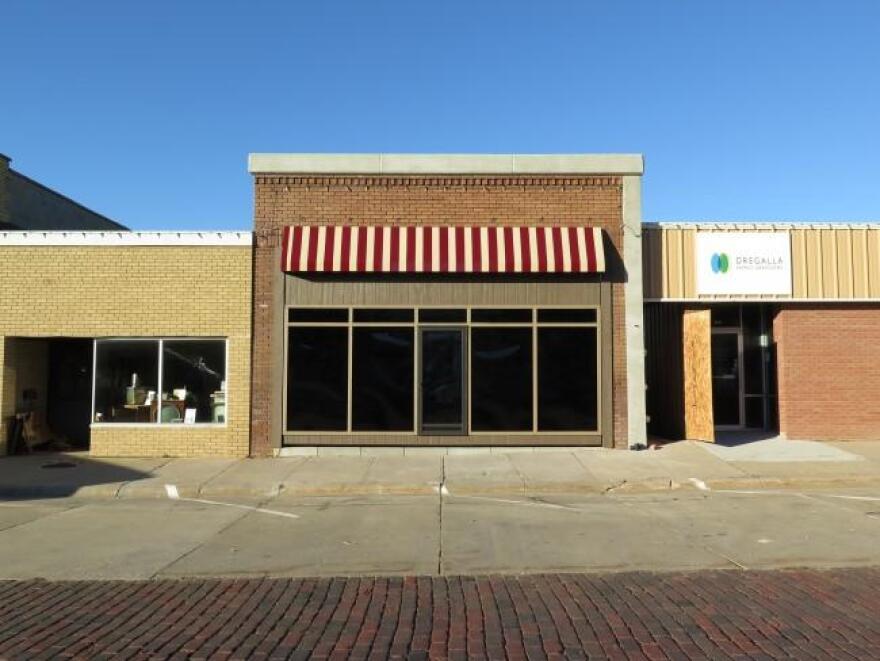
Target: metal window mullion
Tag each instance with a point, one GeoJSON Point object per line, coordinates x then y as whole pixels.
{"type": "Point", "coordinates": [225, 390]}
{"type": "Point", "coordinates": [599, 372]}
{"type": "Point", "coordinates": [161, 377]}
{"type": "Point", "coordinates": [765, 366]}
{"type": "Point", "coordinates": [742, 381]}
{"type": "Point", "coordinates": [417, 378]}
{"type": "Point", "coordinates": [94, 376]}
{"type": "Point", "coordinates": [350, 363]}
{"type": "Point", "coordinates": [469, 402]}
{"type": "Point", "coordinates": [534, 372]}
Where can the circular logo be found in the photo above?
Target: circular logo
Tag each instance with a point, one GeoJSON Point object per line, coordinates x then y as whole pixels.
{"type": "Point", "coordinates": [720, 262]}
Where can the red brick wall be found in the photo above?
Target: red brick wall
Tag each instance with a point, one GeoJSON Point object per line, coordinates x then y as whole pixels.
{"type": "Point", "coordinates": [829, 380]}
{"type": "Point", "coordinates": [430, 200]}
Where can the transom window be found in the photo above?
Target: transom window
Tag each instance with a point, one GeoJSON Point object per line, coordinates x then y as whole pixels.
{"type": "Point", "coordinates": [504, 370]}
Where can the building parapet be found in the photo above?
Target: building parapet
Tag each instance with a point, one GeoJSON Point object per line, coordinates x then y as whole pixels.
{"type": "Point", "coordinates": [621, 164]}
{"type": "Point", "coordinates": [163, 238]}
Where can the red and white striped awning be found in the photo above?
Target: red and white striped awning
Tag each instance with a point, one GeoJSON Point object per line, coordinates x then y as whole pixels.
{"type": "Point", "coordinates": [359, 249]}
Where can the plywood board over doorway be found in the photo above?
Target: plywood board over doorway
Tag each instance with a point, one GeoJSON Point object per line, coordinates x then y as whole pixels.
{"type": "Point", "coordinates": [697, 337]}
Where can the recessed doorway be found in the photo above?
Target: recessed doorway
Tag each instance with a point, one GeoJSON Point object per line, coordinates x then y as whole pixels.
{"type": "Point", "coordinates": [49, 397]}
{"type": "Point", "coordinates": [727, 381]}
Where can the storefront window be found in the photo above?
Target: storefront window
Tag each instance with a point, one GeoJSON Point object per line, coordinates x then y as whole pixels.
{"type": "Point", "coordinates": [129, 387]}
{"type": "Point", "coordinates": [501, 379]}
{"type": "Point", "coordinates": [193, 381]}
{"type": "Point", "coordinates": [567, 379]}
{"type": "Point", "coordinates": [126, 380]}
{"type": "Point", "coordinates": [501, 316]}
{"type": "Point", "coordinates": [505, 370]}
{"type": "Point", "coordinates": [382, 379]}
{"type": "Point", "coordinates": [317, 378]}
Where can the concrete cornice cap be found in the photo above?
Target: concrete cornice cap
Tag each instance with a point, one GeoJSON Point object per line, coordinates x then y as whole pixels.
{"type": "Point", "coordinates": [620, 164]}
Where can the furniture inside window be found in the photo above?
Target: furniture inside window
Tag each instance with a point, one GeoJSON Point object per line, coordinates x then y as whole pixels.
{"type": "Point", "coordinates": [160, 381]}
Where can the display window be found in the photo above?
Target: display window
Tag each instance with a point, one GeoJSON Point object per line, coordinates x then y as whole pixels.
{"type": "Point", "coordinates": [443, 370]}
{"type": "Point", "coordinates": [176, 381]}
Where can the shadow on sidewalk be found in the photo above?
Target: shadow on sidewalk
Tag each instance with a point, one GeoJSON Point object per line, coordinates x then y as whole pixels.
{"type": "Point", "coordinates": [61, 475]}
{"type": "Point", "coordinates": [730, 439]}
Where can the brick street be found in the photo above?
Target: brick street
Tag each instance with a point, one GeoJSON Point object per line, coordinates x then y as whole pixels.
{"type": "Point", "coordinates": [712, 614]}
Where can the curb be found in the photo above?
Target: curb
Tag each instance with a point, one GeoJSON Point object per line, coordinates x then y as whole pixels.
{"type": "Point", "coordinates": [128, 491]}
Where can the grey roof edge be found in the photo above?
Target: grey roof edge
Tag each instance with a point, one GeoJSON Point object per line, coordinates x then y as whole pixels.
{"type": "Point", "coordinates": [292, 163]}
{"type": "Point", "coordinates": [762, 224]}
{"type": "Point", "coordinates": [69, 200]}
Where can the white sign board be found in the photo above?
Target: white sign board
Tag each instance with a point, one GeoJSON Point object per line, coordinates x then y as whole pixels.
{"type": "Point", "coordinates": [743, 263]}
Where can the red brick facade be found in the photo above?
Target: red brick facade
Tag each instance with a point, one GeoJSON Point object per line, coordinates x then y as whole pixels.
{"type": "Point", "coordinates": [429, 200]}
{"type": "Point", "coordinates": [829, 381]}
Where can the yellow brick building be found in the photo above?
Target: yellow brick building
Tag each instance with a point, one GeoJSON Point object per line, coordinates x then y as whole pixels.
{"type": "Point", "coordinates": [66, 292]}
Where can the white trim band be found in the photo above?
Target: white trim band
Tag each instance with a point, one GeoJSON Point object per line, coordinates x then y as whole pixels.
{"type": "Point", "coordinates": [122, 238]}
{"type": "Point", "coordinates": [446, 163]}
{"type": "Point", "coordinates": [769, 225]}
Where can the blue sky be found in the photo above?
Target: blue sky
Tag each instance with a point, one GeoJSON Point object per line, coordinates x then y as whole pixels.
{"type": "Point", "coordinates": [748, 110]}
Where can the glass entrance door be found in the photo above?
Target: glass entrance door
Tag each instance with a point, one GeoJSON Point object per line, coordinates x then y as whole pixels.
{"type": "Point", "coordinates": [727, 393]}
{"type": "Point", "coordinates": [442, 381]}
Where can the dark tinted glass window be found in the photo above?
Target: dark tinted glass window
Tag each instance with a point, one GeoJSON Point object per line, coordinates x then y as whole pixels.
{"type": "Point", "coordinates": [315, 315]}
{"type": "Point", "coordinates": [502, 316]}
{"type": "Point", "coordinates": [752, 318]}
{"type": "Point", "coordinates": [753, 365]}
{"type": "Point", "coordinates": [193, 377]}
{"type": "Point", "coordinates": [126, 372]}
{"type": "Point", "coordinates": [755, 412]}
{"type": "Point", "coordinates": [725, 315]}
{"type": "Point", "coordinates": [382, 314]}
{"type": "Point", "coordinates": [442, 379]}
{"type": "Point", "coordinates": [317, 379]}
{"type": "Point", "coordinates": [501, 379]}
{"type": "Point", "coordinates": [561, 316]}
{"type": "Point", "coordinates": [382, 379]}
{"type": "Point", "coordinates": [567, 379]}
{"type": "Point", "coordinates": [440, 316]}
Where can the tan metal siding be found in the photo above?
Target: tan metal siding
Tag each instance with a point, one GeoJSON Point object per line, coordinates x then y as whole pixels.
{"type": "Point", "coordinates": [873, 247]}
{"type": "Point", "coordinates": [799, 284]}
{"type": "Point", "coordinates": [834, 263]}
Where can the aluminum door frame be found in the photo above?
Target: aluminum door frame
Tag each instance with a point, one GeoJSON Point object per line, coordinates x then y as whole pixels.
{"type": "Point", "coordinates": [464, 428]}
{"type": "Point", "coordinates": [733, 330]}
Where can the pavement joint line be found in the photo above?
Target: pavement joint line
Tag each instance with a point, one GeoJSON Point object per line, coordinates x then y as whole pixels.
{"type": "Point", "coordinates": [214, 477]}
{"type": "Point", "coordinates": [441, 492]}
{"type": "Point", "coordinates": [706, 547]}
{"type": "Point", "coordinates": [173, 494]}
{"type": "Point", "coordinates": [518, 473]}
{"type": "Point", "coordinates": [153, 470]}
{"type": "Point", "coordinates": [159, 573]}
{"type": "Point", "coordinates": [64, 510]}
{"type": "Point", "coordinates": [582, 464]}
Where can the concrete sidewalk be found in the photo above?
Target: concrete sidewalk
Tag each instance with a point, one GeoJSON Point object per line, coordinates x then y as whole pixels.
{"type": "Point", "coordinates": [682, 465]}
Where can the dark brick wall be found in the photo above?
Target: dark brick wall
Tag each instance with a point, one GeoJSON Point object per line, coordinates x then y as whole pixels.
{"type": "Point", "coordinates": [428, 200]}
